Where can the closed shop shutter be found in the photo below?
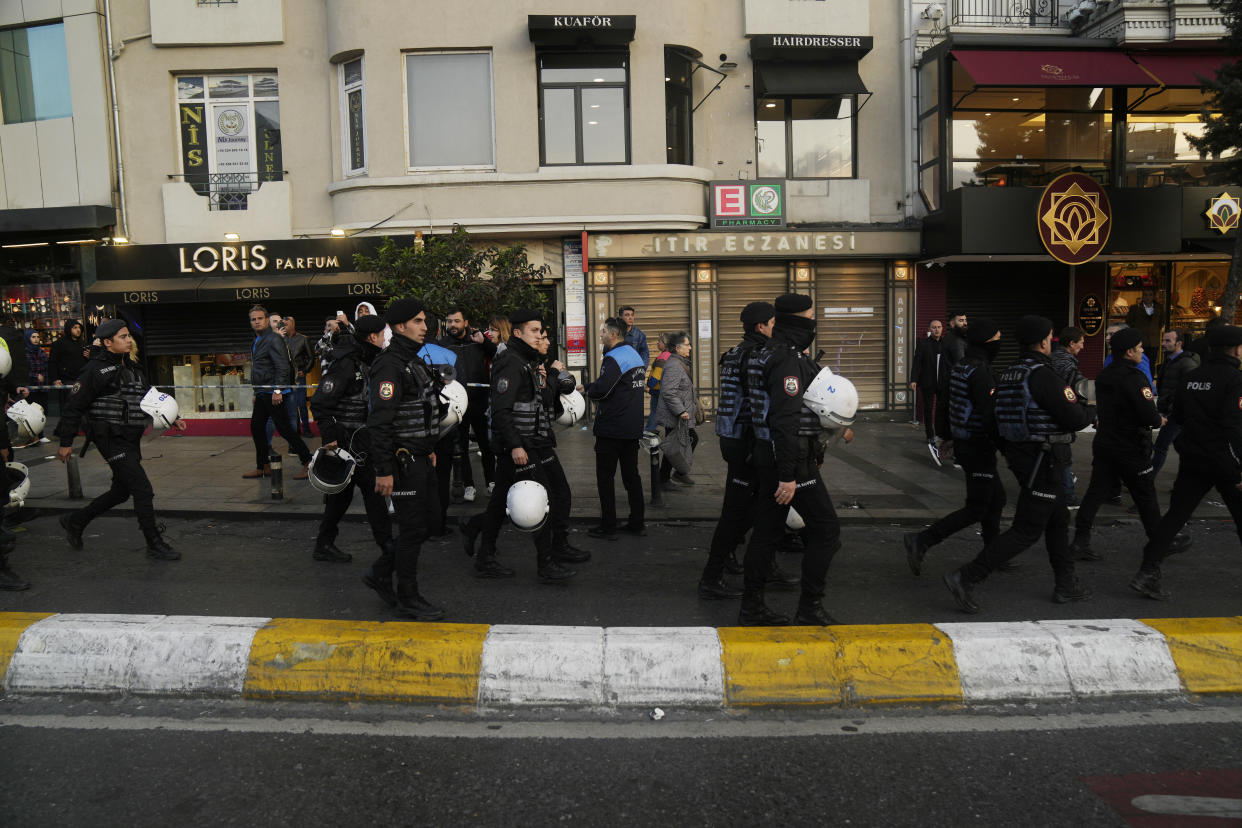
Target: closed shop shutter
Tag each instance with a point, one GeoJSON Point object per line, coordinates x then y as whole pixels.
{"type": "Point", "coordinates": [739, 285]}
{"type": "Point", "coordinates": [852, 329]}
{"type": "Point", "coordinates": [1005, 293]}
{"type": "Point", "coordinates": [660, 295]}
{"type": "Point", "coordinates": [221, 327]}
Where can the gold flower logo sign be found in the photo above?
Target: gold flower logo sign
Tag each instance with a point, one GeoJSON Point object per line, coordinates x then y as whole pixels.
{"type": "Point", "coordinates": [1075, 218]}
{"type": "Point", "coordinates": [1223, 212]}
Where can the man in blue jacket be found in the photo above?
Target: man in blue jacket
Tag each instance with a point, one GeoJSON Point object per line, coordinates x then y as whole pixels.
{"type": "Point", "coordinates": [634, 337]}
{"type": "Point", "coordinates": [444, 362]}
{"type": "Point", "coordinates": [618, 395]}
{"type": "Point", "coordinates": [271, 374]}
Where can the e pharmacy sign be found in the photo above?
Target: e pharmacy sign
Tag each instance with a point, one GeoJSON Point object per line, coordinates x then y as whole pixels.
{"type": "Point", "coordinates": [759, 203]}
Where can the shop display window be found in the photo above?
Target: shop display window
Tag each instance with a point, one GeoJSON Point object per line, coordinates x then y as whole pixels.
{"type": "Point", "coordinates": [1196, 291]}
{"type": "Point", "coordinates": [207, 386]}
{"type": "Point", "coordinates": [1126, 283]}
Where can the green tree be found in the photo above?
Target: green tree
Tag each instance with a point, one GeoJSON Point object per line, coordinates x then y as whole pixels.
{"type": "Point", "coordinates": [448, 270]}
{"type": "Point", "coordinates": [1223, 133]}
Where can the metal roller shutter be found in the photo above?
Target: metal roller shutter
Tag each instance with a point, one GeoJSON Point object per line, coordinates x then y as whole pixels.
{"type": "Point", "coordinates": [739, 285]}
{"type": "Point", "coordinates": [853, 325]}
{"type": "Point", "coordinates": [222, 328]}
{"type": "Point", "coordinates": [1023, 288]}
{"type": "Point", "coordinates": [660, 294]}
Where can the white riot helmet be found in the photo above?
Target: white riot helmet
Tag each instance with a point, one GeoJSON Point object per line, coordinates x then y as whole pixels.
{"type": "Point", "coordinates": [527, 505]}
{"type": "Point", "coordinates": [6, 361]}
{"type": "Point", "coordinates": [794, 521]}
{"type": "Point", "coordinates": [833, 398]}
{"type": "Point", "coordinates": [18, 482]}
{"type": "Point", "coordinates": [573, 408]}
{"type": "Point", "coordinates": [161, 408]}
{"type": "Point", "coordinates": [453, 393]}
{"type": "Point", "coordinates": [29, 419]}
{"type": "Point", "coordinates": [330, 470]}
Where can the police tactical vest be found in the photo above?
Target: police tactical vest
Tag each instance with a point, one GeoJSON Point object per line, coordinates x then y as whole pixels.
{"type": "Point", "coordinates": [733, 410]}
{"type": "Point", "coordinates": [122, 406]}
{"type": "Point", "coordinates": [352, 407]}
{"type": "Point", "coordinates": [760, 403]}
{"type": "Point", "coordinates": [418, 413]}
{"type": "Point", "coordinates": [964, 420]}
{"type": "Point", "coordinates": [530, 417]}
{"type": "Point", "coordinates": [1018, 417]}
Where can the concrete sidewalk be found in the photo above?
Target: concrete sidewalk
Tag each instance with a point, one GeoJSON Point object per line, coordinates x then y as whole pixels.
{"type": "Point", "coordinates": [885, 476]}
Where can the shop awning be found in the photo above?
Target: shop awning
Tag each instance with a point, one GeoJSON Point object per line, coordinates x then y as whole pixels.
{"type": "Point", "coordinates": [808, 79]}
{"type": "Point", "coordinates": [251, 289]}
{"type": "Point", "coordinates": [581, 29]}
{"type": "Point", "coordinates": [361, 285]}
{"type": "Point", "coordinates": [1051, 68]}
{"type": "Point", "coordinates": [142, 291]}
{"type": "Point", "coordinates": [1182, 70]}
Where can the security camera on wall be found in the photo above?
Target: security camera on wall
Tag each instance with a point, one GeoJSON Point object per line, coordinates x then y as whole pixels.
{"type": "Point", "coordinates": [934, 12]}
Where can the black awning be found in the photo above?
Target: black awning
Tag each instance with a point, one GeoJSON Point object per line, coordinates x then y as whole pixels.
{"type": "Point", "coordinates": [807, 79]}
{"type": "Point", "coordinates": [56, 219]}
{"type": "Point", "coordinates": [142, 291]}
{"type": "Point", "coordinates": [359, 285]}
{"type": "Point", "coordinates": [252, 289]}
{"type": "Point", "coordinates": [581, 29]}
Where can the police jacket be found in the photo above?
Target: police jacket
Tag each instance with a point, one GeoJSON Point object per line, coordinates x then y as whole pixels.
{"type": "Point", "coordinates": [520, 418]}
{"type": "Point", "coordinates": [405, 405]}
{"type": "Point", "coordinates": [269, 362]}
{"type": "Point", "coordinates": [472, 359]}
{"type": "Point", "coordinates": [733, 425]}
{"type": "Point", "coordinates": [1172, 377]}
{"type": "Point", "coordinates": [618, 394]}
{"type": "Point", "coordinates": [340, 405]}
{"type": "Point", "coordinates": [1126, 409]}
{"type": "Point", "coordinates": [109, 391]}
{"type": "Point", "coordinates": [1034, 406]}
{"type": "Point", "coordinates": [786, 432]}
{"type": "Point", "coordinates": [1209, 407]}
{"type": "Point", "coordinates": [971, 414]}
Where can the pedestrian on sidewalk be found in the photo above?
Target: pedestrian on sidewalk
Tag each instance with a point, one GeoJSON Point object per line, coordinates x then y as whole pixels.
{"type": "Point", "coordinates": [618, 397]}
{"type": "Point", "coordinates": [1209, 410]}
{"type": "Point", "coordinates": [37, 358]}
{"type": "Point", "coordinates": [302, 357]}
{"type": "Point", "coordinates": [404, 425]}
{"type": "Point", "coordinates": [952, 350]}
{"type": "Point", "coordinates": [1178, 362]}
{"type": "Point", "coordinates": [271, 374]}
{"type": "Point", "coordinates": [1036, 415]}
{"type": "Point", "coordinates": [925, 371]}
{"type": "Point", "coordinates": [341, 406]}
{"type": "Point", "coordinates": [654, 374]}
{"type": "Point", "coordinates": [634, 336]}
{"type": "Point", "coordinates": [677, 412]}
{"type": "Point", "coordinates": [110, 390]}
{"type": "Point", "coordinates": [474, 352]}
{"type": "Point", "coordinates": [972, 421]}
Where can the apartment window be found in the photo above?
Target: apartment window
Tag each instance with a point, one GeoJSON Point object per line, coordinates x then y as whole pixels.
{"type": "Point", "coordinates": [34, 74]}
{"type": "Point", "coordinates": [353, 118]}
{"type": "Point", "coordinates": [230, 135]}
{"type": "Point", "coordinates": [449, 96]}
{"type": "Point", "coordinates": [584, 108]}
{"type": "Point", "coordinates": [806, 137]}
{"type": "Point", "coordinates": [678, 73]}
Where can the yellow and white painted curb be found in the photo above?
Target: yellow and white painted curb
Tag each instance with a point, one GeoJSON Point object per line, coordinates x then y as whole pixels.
{"type": "Point", "coordinates": [592, 667]}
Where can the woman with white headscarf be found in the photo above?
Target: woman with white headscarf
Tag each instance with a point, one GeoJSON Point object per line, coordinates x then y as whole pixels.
{"type": "Point", "coordinates": [367, 309]}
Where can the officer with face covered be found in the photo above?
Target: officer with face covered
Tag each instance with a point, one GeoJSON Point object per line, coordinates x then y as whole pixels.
{"type": "Point", "coordinates": [110, 390]}
{"type": "Point", "coordinates": [1037, 415]}
{"type": "Point", "coordinates": [974, 446]}
{"type": "Point", "coordinates": [404, 425]}
{"type": "Point", "coordinates": [341, 406]}
{"type": "Point", "coordinates": [787, 455]}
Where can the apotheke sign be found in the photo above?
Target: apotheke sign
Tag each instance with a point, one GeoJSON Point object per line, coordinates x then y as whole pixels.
{"type": "Point", "coordinates": [811, 245]}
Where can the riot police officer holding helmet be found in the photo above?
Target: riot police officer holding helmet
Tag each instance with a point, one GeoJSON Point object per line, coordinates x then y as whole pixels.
{"type": "Point", "coordinates": [110, 389]}
{"type": "Point", "coordinates": [404, 424]}
{"type": "Point", "coordinates": [1037, 415]}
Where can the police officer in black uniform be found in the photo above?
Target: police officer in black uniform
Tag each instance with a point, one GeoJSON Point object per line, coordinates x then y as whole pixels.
{"type": "Point", "coordinates": [737, 446]}
{"type": "Point", "coordinates": [341, 405]}
{"type": "Point", "coordinates": [974, 446]}
{"type": "Point", "coordinates": [521, 428]}
{"type": "Point", "coordinates": [787, 455]}
{"type": "Point", "coordinates": [9, 580]}
{"type": "Point", "coordinates": [110, 389]}
{"type": "Point", "coordinates": [404, 425]}
{"type": "Point", "coordinates": [1121, 451]}
{"type": "Point", "coordinates": [557, 381]}
{"type": "Point", "coordinates": [1209, 409]}
{"type": "Point", "coordinates": [1036, 415]}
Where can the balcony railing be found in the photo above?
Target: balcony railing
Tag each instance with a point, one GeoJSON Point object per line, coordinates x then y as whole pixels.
{"type": "Point", "coordinates": [227, 191]}
{"type": "Point", "coordinates": [1037, 14]}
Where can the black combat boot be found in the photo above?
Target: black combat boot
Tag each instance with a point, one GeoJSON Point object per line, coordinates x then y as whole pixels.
{"type": "Point", "coordinates": [10, 580]}
{"type": "Point", "coordinates": [916, 551]}
{"type": "Point", "coordinates": [717, 590]}
{"type": "Point", "coordinates": [486, 565]}
{"type": "Point", "coordinates": [382, 585]}
{"type": "Point", "coordinates": [1181, 542]}
{"type": "Point", "coordinates": [732, 566]}
{"type": "Point", "coordinates": [413, 605]}
{"type": "Point", "coordinates": [551, 572]}
{"type": "Point", "coordinates": [158, 548]}
{"type": "Point", "coordinates": [565, 552]}
{"type": "Point", "coordinates": [755, 613]}
{"type": "Point", "coordinates": [73, 531]}
{"type": "Point", "coordinates": [963, 591]}
{"type": "Point", "coordinates": [778, 577]}
{"type": "Point", "coordinates": [326, 550]}
{"type": "Point", "coordinates": [1070, 589]}
{"type": "Point", "coordinates": [1148, 583]}
{"type": "Point", "coordinates": [469, 535]}
{"type": "Point", "coordinates": [1081, 549]}
{"type": "Point", "coordinates": [811, 613]}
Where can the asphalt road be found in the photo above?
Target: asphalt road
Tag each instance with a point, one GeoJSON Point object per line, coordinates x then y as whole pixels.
{"type": "Point", "coordinates": [264, 568]}
{"type": "Point", "coordinates": [77, 762]}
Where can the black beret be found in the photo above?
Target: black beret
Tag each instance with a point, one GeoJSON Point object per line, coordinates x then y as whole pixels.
{"type": "Point", "coordinates": [981, 330]}
{"type": "Point", "coordinates": [523, 315]}
{"type": "Point", "coordinates": [109, 328]}
{"type": "Point", "coordinates": [1124, 340]}
{"type": "Point", "coordinates": [367, 325]}
{"type": "Point", "coordinates": [1224, 336]}
{"type": "Point", "coordinates": [1032, 329]}
{"type": "Point", "coordinates": [793, 303]}
{"type": "Point", "coordinates": [401, 311]}
{"type": "Point", "coordinates": [757, 312]}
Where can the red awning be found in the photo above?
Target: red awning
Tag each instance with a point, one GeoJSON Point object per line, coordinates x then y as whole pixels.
{"type": "Point", "coordinates": [1182, 70]}
{"type": "Point", "coordinates": [1051, 68]}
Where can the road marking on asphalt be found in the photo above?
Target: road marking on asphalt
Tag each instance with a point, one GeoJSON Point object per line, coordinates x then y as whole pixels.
{"type": "Point", "coordinates": [759, 728]}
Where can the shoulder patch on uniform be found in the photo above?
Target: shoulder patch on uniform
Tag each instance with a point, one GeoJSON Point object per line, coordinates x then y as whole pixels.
{"type": "Point", "coordinates": [1146, 392]}
{"type": "Point", "coordinates": [328, 385]}
{"type": "Point", "coordinates": [791, 386]}
{"type": "Point", "coordinates": [502, 385]}
{"type": "Point", "coordinates": [1069, 394]}
{"type": "Point", "coordinates": [386, 390]}
{"type": "Point", "coordinates": [77, 386]}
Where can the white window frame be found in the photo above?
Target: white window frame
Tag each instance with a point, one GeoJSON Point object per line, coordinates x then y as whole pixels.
{"type": "Point", "coordinates": [405, 90]}
{"type": "Point", "coordinates": [248, 102]}
{"type": "Point", "coordinates": [360, 86]}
